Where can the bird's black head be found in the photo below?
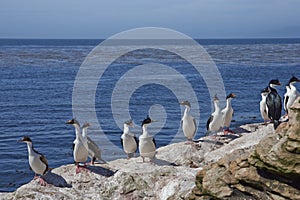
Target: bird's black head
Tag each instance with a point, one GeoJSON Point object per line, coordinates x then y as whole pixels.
{"type": "Point", "coordinates": [275, 82]}
{"type": "Point", "coordinates": [231, 95]}
{"type": "Point", "coordinates": [294, 79]}
{"type": "Point", "coordinates": [216, 98]}
{"type": "Point", "coordinates": [266, 90]}
{"type": "Point", "coordinates": [25, 139]}
{"type": "Point", "coordinates": [72, 121]}
{"type": "Point", "coordinates": [185, 103]}
{"type": "Point", "coordinates": [148, 120]}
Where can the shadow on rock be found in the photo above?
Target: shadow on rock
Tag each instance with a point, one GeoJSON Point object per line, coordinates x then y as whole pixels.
{"type": "Point", "coordinates": [56, 180]}
{"type": "Point", "coordinates": [242, 130]}
{"type": "Point", "coordinates": [161, 162]}
{"type": "Point", "coordinates": [212, 141]}
{"type": "Point", "coordinates": [102, 171]}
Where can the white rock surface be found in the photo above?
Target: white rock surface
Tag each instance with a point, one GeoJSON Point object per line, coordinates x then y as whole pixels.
{"type": "Point", "coordinates": [171, 176]}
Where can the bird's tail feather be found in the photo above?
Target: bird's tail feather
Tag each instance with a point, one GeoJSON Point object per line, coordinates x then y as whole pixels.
{"type": "Point", "coordinates": [276, 124]}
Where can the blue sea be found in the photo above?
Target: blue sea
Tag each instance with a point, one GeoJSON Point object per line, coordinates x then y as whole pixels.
{"type": "Point", "coordinates": [37, 82]}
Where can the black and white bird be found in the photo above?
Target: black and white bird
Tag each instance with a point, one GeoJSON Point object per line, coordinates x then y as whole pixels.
{"type": "Point", "coordinates": [214, 122]}
{"type": "Point", "coordinates": [37, 161]}
{"type": "Point", "coordinates": [147, 145]}
{"type": "Point", "coordinates": [292, 95]}
{"type": "Point", "coordinates": [128, 139]}
{"type": "Point", "coordinates": [80, 147]}
{"type": "Point", "coordinates": [94, 152]}
{"type": "Point", "coordinates": [286, 98]}
{"type": "Point", "coordinates": [263, 105]}
{"type": "Point", "coordinates": [227, 113]}
{"type": "Point", "coordinates": [274, 104]}
{"type": "Point", "coordinates": [188, 123]}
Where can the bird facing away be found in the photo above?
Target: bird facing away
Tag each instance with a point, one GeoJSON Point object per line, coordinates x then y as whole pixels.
{"type": "Point", "coordinates": [80, 148]}
{"type": "Point", "coordinates": [147, 145]}
{"type": "Point", "coordinates": [188, 123]}
{"type": "Point", "coordinates": [214, 122]}
{"type": "Point", "coordinates": [274, 104]}
{"type": "Point", "coordinates": [293, 93]}
{"type": "Point", "coordinates": [263, 105]}
{"type": "Point", "coordinates": [227, 113]}
{"type": "Point", "coordinates": [37, 161]}
{"type": "Point", "coordinates": [94, 151]}
{"type": "Point", "coordinates": [128, 140]}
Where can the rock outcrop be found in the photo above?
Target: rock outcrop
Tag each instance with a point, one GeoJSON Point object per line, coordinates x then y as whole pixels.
{"type": "Point", "coordinates": [171, 176]}
{"type": "Point", "coordinates": [254, 163]}
{"type": "Point", "coordinates": [268, 170]}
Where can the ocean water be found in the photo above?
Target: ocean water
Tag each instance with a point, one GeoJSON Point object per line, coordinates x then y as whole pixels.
{"type": "Point", "coordinates": [37, 81]}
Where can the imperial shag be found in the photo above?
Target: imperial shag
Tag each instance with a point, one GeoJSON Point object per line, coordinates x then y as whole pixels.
{"type": "Point", "coordinates": [263, 105]}
{"type": "Point", "coordinates": [128, 140]}
{"type": "Point", "coordinates": [188, 123]}
{"type": "Point", "coordinates": [227, 113]}
{"type": "Point", "coordinates": [147, 145]}
{"type": "Point", "coordinates": [274, 104]}
{"type": "Point", "coordinates": [214, 122]}
{"type": "Point", "coordinates": [37, 161]}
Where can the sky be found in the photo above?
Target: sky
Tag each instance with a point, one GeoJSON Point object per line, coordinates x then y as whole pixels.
{"type": "Point", "coordinates": [99, 19]}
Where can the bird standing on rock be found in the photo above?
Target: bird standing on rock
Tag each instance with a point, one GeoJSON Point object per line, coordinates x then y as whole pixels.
{"type": "Point", "coordinates": [274, 104]}
{"type": "Point", "coordinates": [94, 151]}
{"type": "Point", "coordinates": [227, 114]}
{"type": "Point", "coordinates": [263, 105]}
{"type": "Point", "coordinates": [128, 140]}
{"type": "Point", "coordinates": [147, 145]}
{"type": "Point", "coordinates": [37, 161]}
{"type": "Point", "coordinates": [80, 147]}
{"type": "Point", "coordinates": [188, 123]}
{"type": "Point", "coordinates": [214, 122]}
{"type": "Point", "coordinates": [292, 95]}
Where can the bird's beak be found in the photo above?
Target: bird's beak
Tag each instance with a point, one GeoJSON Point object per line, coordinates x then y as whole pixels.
{"type": "Point", "coordinates": [154, 120]}
{"type": "Point", "coordinates": [20, 140]}
{"type": "Point", "coordinates": [234, 95]}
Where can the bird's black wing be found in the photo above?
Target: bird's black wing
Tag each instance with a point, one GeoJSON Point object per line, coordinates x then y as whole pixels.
{"type": "Point", "coordinates": [286, 99]}
{"type": "Point", "coordinates": [136, 140]}
{"type": "Point", "coordinates": [73, 146]}
{"type": "Point", "coordinates": [122, 142]}
{"type": "Point", "coordinates": [274, 104]}
{"type": "Point", "coordinates": [270, 101]}
{"type": "Point", "coordinates": [208, 121]}
{"type": "Point", "coordinates": [278, 105]}
{"type": "Point", "coordinates": [45, 161]}
{"type": "Point", "coordinates": [195, 124]}
{"type": "Point", "coordinates": [154, 141]}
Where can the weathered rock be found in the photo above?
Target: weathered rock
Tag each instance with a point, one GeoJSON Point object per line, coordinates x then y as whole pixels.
{"type": "Point", "coordinates": [268, 170]}
{"type": "Point", "coordinates": [255, 163]}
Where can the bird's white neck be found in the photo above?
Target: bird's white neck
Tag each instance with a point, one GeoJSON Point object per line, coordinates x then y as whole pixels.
{"type": "Point", "coordinates": [187, 110]}
{"type": "Point", "coordinates": [78, 132]}
{"type": "Point", "coordinates": [84, 132]}
{"type": "Point", "coordinates": [30, 148]}
{"type": "Point", "coordinates": [216, 103]}
{"type": "Point", "coordinates": [145, 131]}
{"type": "Point", "coordinates": [292, 86]}
{"type": "Point", "coordinates": [228, 102]}
{"type": "Point", "coordinates": [273, 86]}
{"type": "Point", "coordinates": [126, 129]}
{"type": "Point", "coordinates": [264, 95]}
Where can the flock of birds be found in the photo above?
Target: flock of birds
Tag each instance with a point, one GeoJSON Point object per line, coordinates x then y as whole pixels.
{"type": "Point", "coordinates": [220, 119]}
